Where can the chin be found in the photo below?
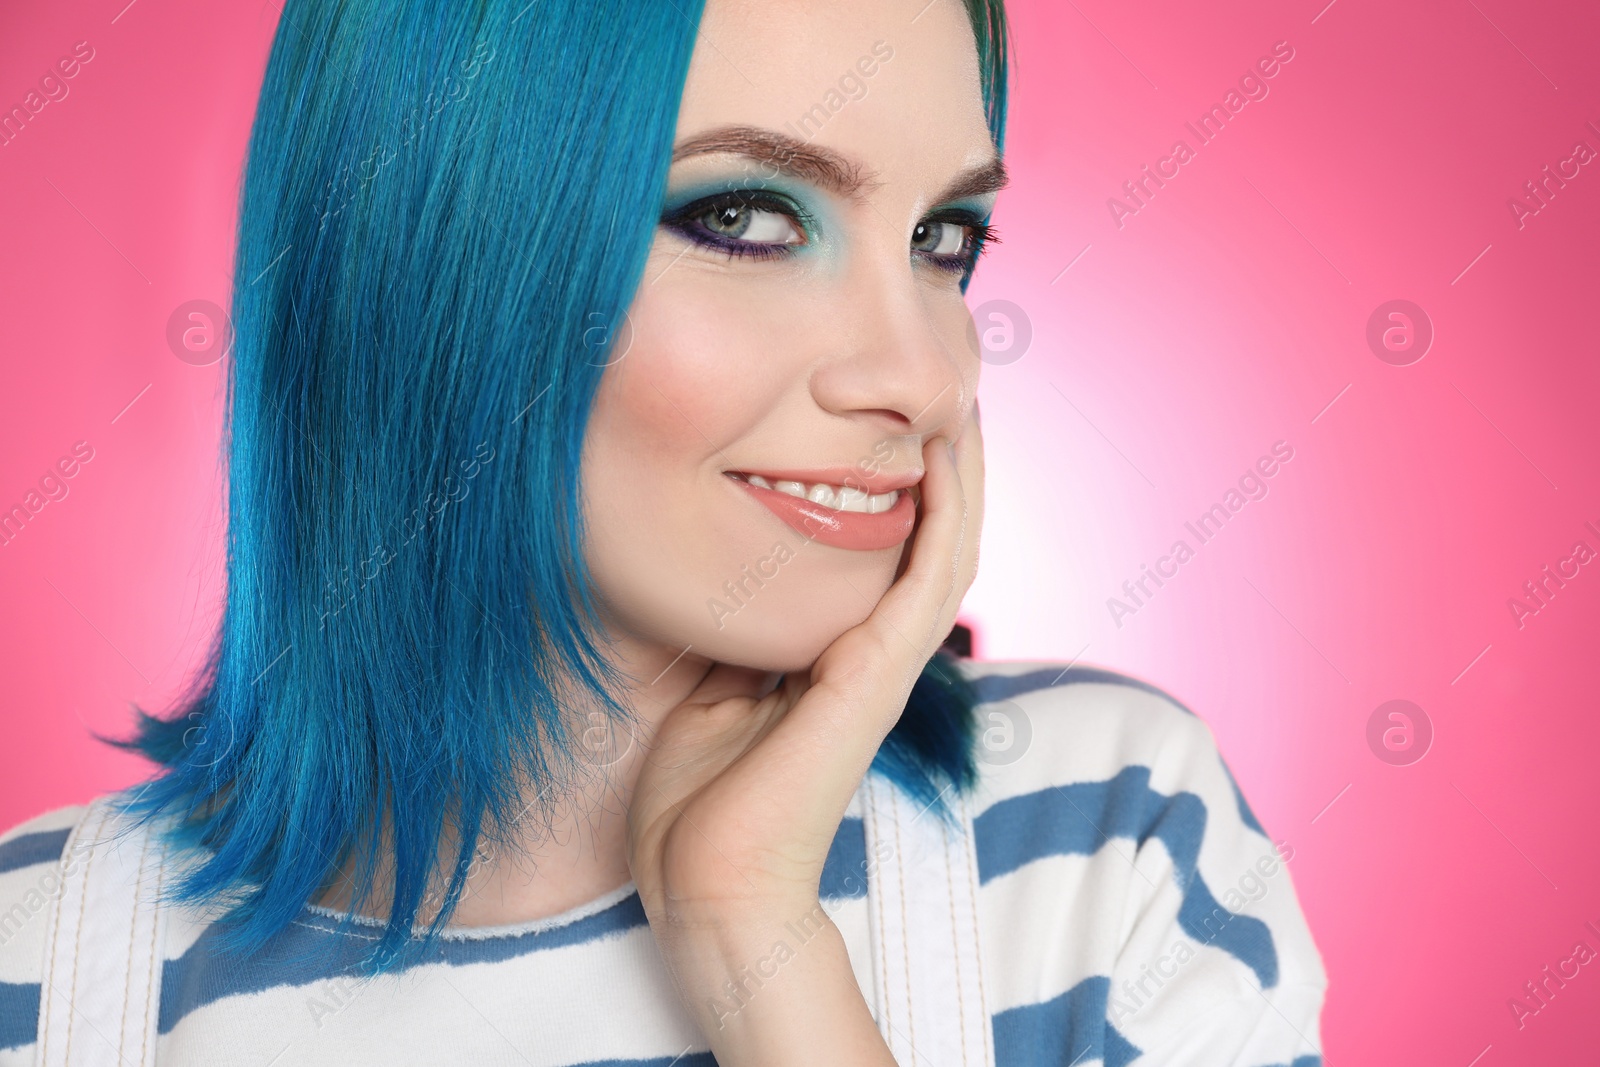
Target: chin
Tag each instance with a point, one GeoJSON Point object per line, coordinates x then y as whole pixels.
{"type": "Point", "coordinates": [786, 628]}
{"type": "Point", "coordinates": [778, 645]}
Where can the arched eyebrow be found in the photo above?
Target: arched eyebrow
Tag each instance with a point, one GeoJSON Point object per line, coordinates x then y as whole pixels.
{"type": "Point", "coordinates": [823, 166]}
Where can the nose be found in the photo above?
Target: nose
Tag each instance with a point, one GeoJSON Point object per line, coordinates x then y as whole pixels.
{"type": "Point", "coordinates": [901, 359]}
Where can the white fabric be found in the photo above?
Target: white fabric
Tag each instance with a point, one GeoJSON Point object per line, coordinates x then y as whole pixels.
{"type": "Point", "coordinates": [929, 984]}
{"type": "Point", "coordinates": [101, 983]}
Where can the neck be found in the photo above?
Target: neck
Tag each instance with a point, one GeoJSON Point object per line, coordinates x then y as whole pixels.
{"type": "Point", "coordinates": [570, 848]}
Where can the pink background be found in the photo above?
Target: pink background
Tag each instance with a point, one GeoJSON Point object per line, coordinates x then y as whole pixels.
{"type": "Point", "coordinates": [1229, 313]}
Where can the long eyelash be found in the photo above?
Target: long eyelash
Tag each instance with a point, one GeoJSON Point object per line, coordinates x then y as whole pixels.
{"type": "Point", "coordinates": [982, 236]}
{"type": "Point", "coordinates": [683, 222]}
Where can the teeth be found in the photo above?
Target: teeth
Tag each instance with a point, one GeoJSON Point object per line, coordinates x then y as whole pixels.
{"type": "Point", "coordinates": [823, 494]}
{"type": "Point", "coordinates": [852, 499]}
{"type": "Point", "coordinates": [838, 497]}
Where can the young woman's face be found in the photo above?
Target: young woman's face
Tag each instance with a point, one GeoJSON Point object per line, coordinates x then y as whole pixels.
{"type": "Point", "coordinates": [800, 321]}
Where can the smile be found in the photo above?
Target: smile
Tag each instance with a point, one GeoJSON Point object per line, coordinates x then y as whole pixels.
{"type": "Point", "coordinates": [838, 497]}
{"type": "Point", "coordinates": [845, 516]}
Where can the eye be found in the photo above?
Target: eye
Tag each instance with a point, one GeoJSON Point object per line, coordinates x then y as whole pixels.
{"type": "Point", "coordinates": [952, 240]}
{"type": "Point", "coordinates": [741, 223]}
{"type": "Point", "coordinates": [939, 238]}
{"type": "Point", "coordinates": [752, 224]}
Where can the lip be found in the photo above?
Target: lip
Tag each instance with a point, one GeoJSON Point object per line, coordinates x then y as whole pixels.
{"type": "Point", "coordinates": [829, 526]}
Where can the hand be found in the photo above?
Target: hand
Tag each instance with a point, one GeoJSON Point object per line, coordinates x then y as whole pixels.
{"type": "Point", "coordinates": [735, 807]}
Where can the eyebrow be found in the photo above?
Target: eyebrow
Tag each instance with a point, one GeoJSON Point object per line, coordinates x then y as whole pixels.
{"type": "Point", "coordinates": [823, 166]}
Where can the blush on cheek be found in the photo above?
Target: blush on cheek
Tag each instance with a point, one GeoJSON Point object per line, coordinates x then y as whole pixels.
{"type": "Point", "coordinates": [711, 357]}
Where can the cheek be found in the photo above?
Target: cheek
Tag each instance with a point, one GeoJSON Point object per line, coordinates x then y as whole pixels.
{"type": "Point", "coordinates": [696, 378]}
{"type": "Point", "coordinates": [662, 520]}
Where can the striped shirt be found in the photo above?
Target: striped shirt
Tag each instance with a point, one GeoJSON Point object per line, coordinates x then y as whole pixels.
{"type": "Point", "coordinates": [1131, 911]}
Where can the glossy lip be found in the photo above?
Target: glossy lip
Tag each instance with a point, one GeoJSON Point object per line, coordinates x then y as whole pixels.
{"type": "Point", "coordinates": [830, 526]}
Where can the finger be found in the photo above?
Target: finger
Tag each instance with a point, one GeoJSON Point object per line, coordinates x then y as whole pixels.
{"type": "Point", "coordinates": [821, 748]}
{"type": "Point", "coordinates": [920, 603]}
{"type": "Point", "coordinates": [726, 680]}
{"type": "Point", "coordinates": [969, 463]}
{"type": "Point", "coordinates": [872, 667]}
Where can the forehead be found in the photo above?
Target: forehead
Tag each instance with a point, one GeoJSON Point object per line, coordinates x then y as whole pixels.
{"type": "Point", "coordinates": [893, 84]}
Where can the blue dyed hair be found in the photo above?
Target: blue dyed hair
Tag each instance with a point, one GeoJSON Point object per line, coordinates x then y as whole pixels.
{"type": "Point", "coordinates": [415, 326]}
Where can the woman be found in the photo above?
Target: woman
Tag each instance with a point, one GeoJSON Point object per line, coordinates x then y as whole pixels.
{"type": "Point", "coordinates": [604, 476]}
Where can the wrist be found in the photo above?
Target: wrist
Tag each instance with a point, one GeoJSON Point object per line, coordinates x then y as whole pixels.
{"type": "Point", "coordinates": [757, 987]}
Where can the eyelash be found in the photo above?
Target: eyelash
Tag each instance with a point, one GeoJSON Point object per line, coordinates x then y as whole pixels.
{"type": "Point", "coordinates": [686, 223]}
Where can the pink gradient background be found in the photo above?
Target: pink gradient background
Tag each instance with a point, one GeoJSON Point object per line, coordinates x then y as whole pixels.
{"type": "Point", "coordinates": [1223, 317]}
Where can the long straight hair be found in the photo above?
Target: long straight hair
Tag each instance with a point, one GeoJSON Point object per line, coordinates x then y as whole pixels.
{"type": "Point", "coordinates": [445, 213]}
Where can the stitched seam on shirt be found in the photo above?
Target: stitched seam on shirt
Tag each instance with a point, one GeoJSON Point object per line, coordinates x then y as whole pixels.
{"type": "Point", "coordinates": [873, 812]}
{"type": "Point", "coordinates": [955, 941]}
{"type": "Point", "coordinates": [152, 989]}
{"type": "Point", "coordinates": [77, 941]}
{"type": "Point", "coordinates": [133, 928]}
{"type": "Point", "coordinates": [977, 934]}
{"type": "Point", "coordinates": [905, 926]}
{"type": "Point", "coordinates": [55, 939]}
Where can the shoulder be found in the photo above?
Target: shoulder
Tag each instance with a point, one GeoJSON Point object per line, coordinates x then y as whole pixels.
{"type": "Point", "coordinates": [37, 843]}
{"type": "Point", "coordinates": [1043, 725]}
{"type": "Point", "coordinates": [1078, 758]}
{"type": "Point", "coordinates": [30, 859]}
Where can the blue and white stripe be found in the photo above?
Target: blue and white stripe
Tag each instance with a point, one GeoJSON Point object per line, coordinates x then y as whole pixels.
{"type": "Point", "coordinates": [1132, 911]}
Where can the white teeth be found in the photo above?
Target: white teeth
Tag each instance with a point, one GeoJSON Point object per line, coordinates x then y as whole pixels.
{"type": "Point", "coordinates": [837, 497]}
{"type": "Point", "coordinates": [852, 499]}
